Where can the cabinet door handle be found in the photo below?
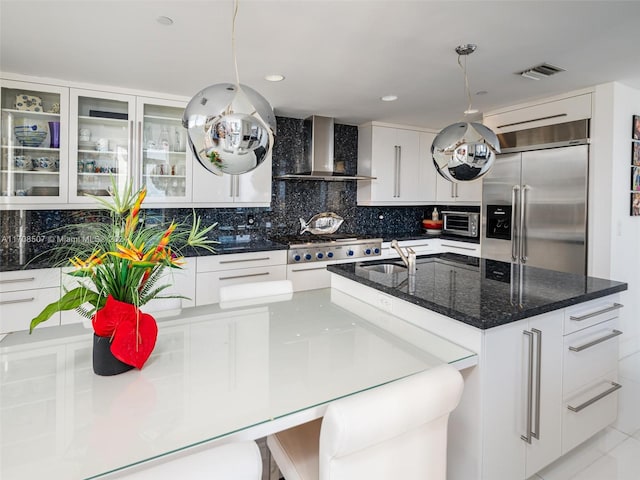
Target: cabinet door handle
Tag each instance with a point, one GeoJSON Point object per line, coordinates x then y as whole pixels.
{"type": "Point", "coordinates": [395, 171]}
{"type": "Point", "coordinates": [17, 300]}
{"type": "Point", "coordinates": [614, 386]}
{"type": "Point", "coordinates": [580, 318]}
{"type": "Point", "coordinates": [538, 333]}
{"type": "Point", "coordinates": [613, 334]}
{"type": "Point", "coordinates": [232, 277]}
{"type": "Point", "coordinates": [456, 246]}
{"type": "Point", "coordinates": [223, 262]}
{"type": "Point", "coordinates": [130, 148]}
{"type": "Point", "coordinates": [528, 435]}
{"type": "Point", "coordinates": [398, 173]}
{"type": "Point", "coordinates": [139, 150]}
{"type": "Point", "coordinates": [17, 280]}
{"type": "Point", "coordinates": [307, 269]}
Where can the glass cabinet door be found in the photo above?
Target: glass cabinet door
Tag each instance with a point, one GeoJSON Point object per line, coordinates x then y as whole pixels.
{"type": "Point", "coordinates": [34, 145]}
{"type": "Point", "coordinates": [165, 162]}
{"type": "Point", "coordinates": [101, 143]}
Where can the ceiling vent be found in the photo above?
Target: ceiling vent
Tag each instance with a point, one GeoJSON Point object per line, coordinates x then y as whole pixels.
{"type": "Point", "coordinates": [543, 70]}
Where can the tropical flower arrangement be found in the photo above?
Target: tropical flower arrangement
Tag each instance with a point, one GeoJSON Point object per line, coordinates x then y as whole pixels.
{"type": "Point", "coordinates": [117, 271]}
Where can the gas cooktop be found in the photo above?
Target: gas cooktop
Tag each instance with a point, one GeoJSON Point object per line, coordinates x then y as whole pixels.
{"type": "Point", "coordinates": [315, 248]}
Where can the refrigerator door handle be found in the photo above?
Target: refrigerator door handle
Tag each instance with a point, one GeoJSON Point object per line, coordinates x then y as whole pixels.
{"type": "Point", "coordinates": [514, 226]}
{"type": "Point", "coordinates": [523, 221]}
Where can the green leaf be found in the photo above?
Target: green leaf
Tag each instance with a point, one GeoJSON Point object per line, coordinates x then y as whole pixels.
{"type": "Point", "coordinates": [69, 301]}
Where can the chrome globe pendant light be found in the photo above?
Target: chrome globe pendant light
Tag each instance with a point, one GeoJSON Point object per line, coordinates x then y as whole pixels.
{"type": "Point", "coordinates": [230, 127]}
{"type": "Point", "coordinates": [464, 151]}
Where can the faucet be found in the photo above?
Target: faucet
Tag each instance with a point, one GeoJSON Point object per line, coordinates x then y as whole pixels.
{"type": "Point", "coordinates": [408, 258]}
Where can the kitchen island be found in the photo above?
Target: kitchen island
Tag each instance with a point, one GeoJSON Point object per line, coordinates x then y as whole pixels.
{"type": "Point", "coordinates": [216, 374]}
{"type": "Point", "coordinates": [547, 345]}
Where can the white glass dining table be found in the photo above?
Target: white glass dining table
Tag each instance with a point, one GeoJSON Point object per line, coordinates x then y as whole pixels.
{"type": "Point", "coordinates": [215, 375]}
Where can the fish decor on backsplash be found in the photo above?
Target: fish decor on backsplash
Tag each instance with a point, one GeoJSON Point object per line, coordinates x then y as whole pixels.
{"type": "Point", "coordinates": [322, 223]}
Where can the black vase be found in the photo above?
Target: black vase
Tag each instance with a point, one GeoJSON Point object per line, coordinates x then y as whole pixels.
{"type": "Point", "coordinates": [104, 363]}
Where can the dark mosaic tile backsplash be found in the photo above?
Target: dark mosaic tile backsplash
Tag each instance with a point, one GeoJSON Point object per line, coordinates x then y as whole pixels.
{"type": "Point", "coordinates": [27, 233]}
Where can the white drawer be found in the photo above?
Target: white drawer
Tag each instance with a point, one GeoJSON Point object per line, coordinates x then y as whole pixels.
{"type": "Point", "coordinates": [18, 308]}
{"type": "Point", "coordinates": [579, 426]}
{"type": "Point", "coordinates": [591, 313]}
{"type": "Point", "coordinates": [306, 277]}
{"type": "Point", "coordinates": [208, 283]}
{"type": "Point", "coordinates": [589, 354]}
{"type": "Point", "coordinates": [29, 279]}
{"type": "Point", "coordinates": [241, 260]}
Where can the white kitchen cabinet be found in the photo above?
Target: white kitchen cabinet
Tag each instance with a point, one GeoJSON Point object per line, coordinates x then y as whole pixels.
{"type": "Point", "coordinates": [128, 137]}
{"type": "Point", "coordinates": [250, 189]}
{"type": "Point", "coordinates": [392, 155]}
{"type": "Point", "coordinates": [24, 294]}
{"type": "Point", "coordinates": [33, 170]}
{"type": "Point", "coordinates": [163, 158]}
{"type": "Point", "coordinates": [102, 142]}
{"type": "Point", "coordinates": [561, 109]}
{"type": "Point", "coordinates": [590, 370]}
{"type": "Point", "coordinates": [461, 192]}
{"type": "Point", "coordinates": [215, 271]}
{"type": "Point", "coordinates": [523, 399]}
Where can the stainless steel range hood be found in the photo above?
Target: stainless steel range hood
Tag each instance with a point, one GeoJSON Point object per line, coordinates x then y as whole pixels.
{"type": "Point", "coordinates": [318, 159]}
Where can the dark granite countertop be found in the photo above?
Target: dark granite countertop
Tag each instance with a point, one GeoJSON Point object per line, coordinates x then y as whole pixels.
{"type": "Point", "coordinates": [430, 236]}
{"type": "Point", "coordinates": [255, 244]}
{"type": "Point", "coordinates": [479, 292]}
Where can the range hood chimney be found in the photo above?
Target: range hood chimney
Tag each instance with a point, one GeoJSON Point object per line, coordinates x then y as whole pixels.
{"type": "Point", "coordinates": [318, 158]}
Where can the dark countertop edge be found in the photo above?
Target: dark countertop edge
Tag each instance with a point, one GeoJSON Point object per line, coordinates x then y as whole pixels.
{"type": "Point", "coordinates": [472, 321]}
{"type": "Point", "coordinates": [220, 249]}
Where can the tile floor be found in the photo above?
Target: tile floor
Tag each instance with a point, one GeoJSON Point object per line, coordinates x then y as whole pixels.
{"type": "Point", "coordinates": [613, 454]}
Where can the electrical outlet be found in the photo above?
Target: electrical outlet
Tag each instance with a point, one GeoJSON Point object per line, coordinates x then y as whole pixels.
{"type": "Point", "coordinates": [385, 303]}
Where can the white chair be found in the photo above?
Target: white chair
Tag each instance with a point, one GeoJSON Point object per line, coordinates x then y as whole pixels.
{"type": "Point", "coordinates": [254, 293]}
{"type": "Point", "coordinates": [398, 430]}
{"type": "Point", "coordinates": [237, 461]}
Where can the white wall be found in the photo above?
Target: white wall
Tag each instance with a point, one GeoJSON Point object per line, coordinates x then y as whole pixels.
{"type": "Point", "coordinates": [614, 250]}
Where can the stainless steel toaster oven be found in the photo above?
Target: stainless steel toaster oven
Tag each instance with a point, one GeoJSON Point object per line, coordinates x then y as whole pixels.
{"type": "Point", "coordinates": [465, 224]}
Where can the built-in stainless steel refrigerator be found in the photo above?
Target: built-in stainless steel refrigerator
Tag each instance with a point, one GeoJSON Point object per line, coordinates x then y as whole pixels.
{"type": "Point", "coordinates": [535, 206]}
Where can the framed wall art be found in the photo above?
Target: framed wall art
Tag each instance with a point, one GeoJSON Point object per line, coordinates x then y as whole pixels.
{"type": "Point", "coordinates": [636, 127]}
{"type": "Point", "coordinates": [635, 204]}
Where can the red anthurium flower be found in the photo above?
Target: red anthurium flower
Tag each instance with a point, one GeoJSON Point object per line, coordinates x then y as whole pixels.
{"type": "Point", "coordinates": [135, 339]}
{"type": "Point", "coordinates": [110, 316]}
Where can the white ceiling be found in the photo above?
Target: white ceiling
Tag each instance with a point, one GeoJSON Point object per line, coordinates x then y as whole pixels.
{"type": "Point", "coordinates": [339, 57]}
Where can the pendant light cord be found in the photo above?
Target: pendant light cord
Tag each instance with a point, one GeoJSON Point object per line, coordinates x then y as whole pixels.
{"type": "Point", "coordinates": [233, 41]}
{"type": "Point", "coordinates": [466, 82]}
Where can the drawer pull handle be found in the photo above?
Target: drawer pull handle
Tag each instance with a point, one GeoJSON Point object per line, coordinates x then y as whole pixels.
{"type": "Point", "coordinates": [613, 334]}
{"type": "Point", "coordinates": [18, 280]}
{"type": "Point", "coordinates": [579, 318]}
{"type": "Point", "coordinates": [456, 246]}
{"type": "Point", "coordinates": [615, 386]}
{"type": "Point", "coordinates": [17, 300]}
{"type": "Point", "coordinates": [244, 276]}
{"type": "Point", "coordinates": [307, 269]}
{"type": "Point", "coordinates": [222, 262]}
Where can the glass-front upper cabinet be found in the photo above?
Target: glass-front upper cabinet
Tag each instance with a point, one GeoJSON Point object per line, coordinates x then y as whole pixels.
{"type": "Point", "coordinates": [164, 160]}
{"type": "Point", "coordinates": [101, 143]}
{"type": "Point", "coordinates": [34, 145]}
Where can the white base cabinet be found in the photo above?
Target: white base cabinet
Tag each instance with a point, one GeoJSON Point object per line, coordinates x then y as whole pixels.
{"type": "Point", "coordinates": [23, 295]}
{"type": "Point", "coordinates": [523, 400]}
{"type": "Point", "coordinates": [486, 430]}
{"type": "Point", "coordinates": [218, 271]}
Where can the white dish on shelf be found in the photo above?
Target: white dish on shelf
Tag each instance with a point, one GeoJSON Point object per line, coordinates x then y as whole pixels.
{"type": "Point", "coordinates": [86, 145]}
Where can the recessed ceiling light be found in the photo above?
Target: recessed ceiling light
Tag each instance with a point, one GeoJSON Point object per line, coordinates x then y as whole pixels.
{"type": "Point", "coordinates": [389, 98]}
{"type": "Point", "coordinates": [276, 77]}
{"type": "Point", "coordinates": [471, 112]}
{"type": "Point", "coordinates": [166, 21]}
